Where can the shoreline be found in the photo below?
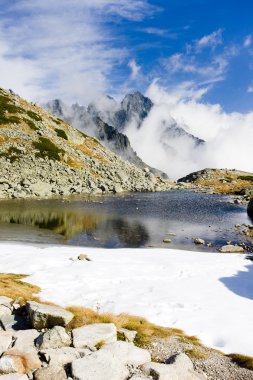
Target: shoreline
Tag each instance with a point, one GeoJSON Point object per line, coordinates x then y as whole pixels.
{"type": "Point", "coordinates": [202, 293]}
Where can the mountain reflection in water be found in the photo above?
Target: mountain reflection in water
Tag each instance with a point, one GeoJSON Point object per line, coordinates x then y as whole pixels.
{"type": "Point", "coordinates": [112, 231]}
{"type": "Point", "coordinates": [129, 220]}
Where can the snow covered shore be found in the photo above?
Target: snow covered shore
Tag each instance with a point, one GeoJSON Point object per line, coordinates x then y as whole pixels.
{"type": "Point", "coordinates": [206, 294]}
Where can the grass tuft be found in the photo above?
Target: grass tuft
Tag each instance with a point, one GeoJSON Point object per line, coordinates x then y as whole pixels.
{"type": "Point", "coordinates": [197, 354]}
{"type": "Point", "coordinates": [242, 360]}
{"type": "Point", "coordinates": [61, 133]}
{"type": "Point", "coordinates": [47, 148]}
{"type": "Point", "coordinates": [12, 286]}
{"type": "Point", "coordinates": [12, 154]}
{"type": "Point", "coordinates": [31, 124]}
{"type": "Point", "coordinates": [34, 116]}
{"type": "Point", "coordinates": [146, 331]}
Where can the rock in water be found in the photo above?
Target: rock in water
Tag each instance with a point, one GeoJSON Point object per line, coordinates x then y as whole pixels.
{"type": "Point", "coordinates": [250, 207]}
{"type": "Point", "coordinates": [231, 249]}
{"type": "Point", "coordinates": [199, 241]}
{"type": "Point", "coordinates": [45, 316]}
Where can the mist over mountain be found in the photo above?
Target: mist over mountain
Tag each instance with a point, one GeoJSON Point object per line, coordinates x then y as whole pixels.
{"type": "Point", "coordinates": [122, 127]}
{"type": "Point", "coordinates": [91, 121]}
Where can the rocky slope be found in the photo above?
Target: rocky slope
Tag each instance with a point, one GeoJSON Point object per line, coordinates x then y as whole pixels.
{"type": "Point", "coordinates": [91, 122]}
{"type": "Point", "coordinates": [41, 155]}
{"type": "Point", "coordinates": [221, 181]}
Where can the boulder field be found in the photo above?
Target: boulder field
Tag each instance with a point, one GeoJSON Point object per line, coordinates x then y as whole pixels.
{"type": "Point", "coordinates": [35, 345]}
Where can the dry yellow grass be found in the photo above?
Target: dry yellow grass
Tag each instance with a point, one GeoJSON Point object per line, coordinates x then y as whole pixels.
{"type": "Point", "coordinates": [12, 286]}
{"type": "Point", "coordinates": [196, 354]}
{"type": "Point", "coordinates": [146, 331]}
{"type": "Point", "coordinates": [227, 187]}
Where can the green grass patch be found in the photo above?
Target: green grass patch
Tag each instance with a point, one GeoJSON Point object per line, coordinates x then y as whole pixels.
{"type": "Point", "coordinates": [46, 148]}
{"type": "Point", "coordinates": [12, 154]}
{"type": "Point", "coordinates": [5, 119]}
{"type": "Point", "coordinates": [31, 124]}
{"type": "Point", "coordinates": [34, 116]}
{"type": "Point", "coordinates": [246, 178]}
{"type": "Point", "coordinates": [61, 133]}
{"type": "Point", "coordinates": [242, 360]}
{"type": "Point", "coordinates": [7, 109]}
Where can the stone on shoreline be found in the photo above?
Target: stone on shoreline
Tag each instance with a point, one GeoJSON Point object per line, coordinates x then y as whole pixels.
{"type": "Point", "coordinates": [45, 316]}
{"type": "Point", "coordinates": [231, 249]}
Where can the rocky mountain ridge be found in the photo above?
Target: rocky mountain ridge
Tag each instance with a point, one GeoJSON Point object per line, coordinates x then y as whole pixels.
{"type": "Point", "coordinates": [43, 156]}
{"type": "Point", "coordinates": [92, 122]}
{"type": "Point", "coordinates": [109, 122]}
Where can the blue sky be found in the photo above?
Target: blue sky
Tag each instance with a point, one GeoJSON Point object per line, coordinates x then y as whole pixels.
{"type": "Point", "coordinates": [79, 49]}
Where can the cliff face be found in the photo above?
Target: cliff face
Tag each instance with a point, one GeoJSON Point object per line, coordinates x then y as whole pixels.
{"type": "Point", "coordinates": [41, 155]}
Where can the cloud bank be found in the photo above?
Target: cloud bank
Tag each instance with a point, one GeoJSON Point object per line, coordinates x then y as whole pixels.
{"type": "Point", "coordinates": [63, 48]}
{"type": "Point", "coordinates": [228, 136]}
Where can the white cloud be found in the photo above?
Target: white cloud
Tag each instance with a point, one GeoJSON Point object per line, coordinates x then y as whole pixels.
{"type": "Point", "coordinates": [250, 89]}
{"type": "Point", "coordinates": [63, 49]}
{"type": "Point", "coordinates": [228, 136]}
{"type": "Point", "coordinates": [160, 32]}
{"type": "Point", "coordinates": [191, 65]}
{"type": "Point", "coordinates": [247, 41]}
{"type": "Point", "coordinates": [211, 40]}
{"type": "Point", "coordinates": [135, 69]}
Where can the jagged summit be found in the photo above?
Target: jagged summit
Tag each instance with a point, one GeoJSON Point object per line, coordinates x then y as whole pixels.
{"type": "Point", "coordinates": [97, 121]}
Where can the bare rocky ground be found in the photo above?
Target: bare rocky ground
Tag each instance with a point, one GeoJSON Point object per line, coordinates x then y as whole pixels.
{"type": "Point", "coordinates": [237, 183]}
{"type": "Point", "coordinates": [36, 344]}
{"type": "Point", "coordinates": [214, 364]}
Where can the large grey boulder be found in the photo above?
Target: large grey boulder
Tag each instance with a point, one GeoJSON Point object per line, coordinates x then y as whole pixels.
{"type": "Point", "coordinates": [25, 339]}
{"type": "Point", "coordinates": [60, 356]}
{"type": "Point", "coordinates": [180, 367]}
{"type": "Point", "coordinates": [19, 361]}
{"type": "Point", "coordinates": [99, 366]}
{"type": "Point", "coordinates": [5, 310]}
{"type": "Point", "coordinates": [11, 364]}
{"type": "Point", "coordinates": [50, 373]}
{"type": "Point", "coordinates": [250, 207]}
{"type": "Point", "coordinates": [45, 316]}
{"type": "Point", "coordinates": [5, 341]}
{"type": "Point", "coordinates": [41, 189]}
{"type": "Point", "coordinates": [5, 300]}
{"type": "Point", "coordinates": [5, 306]}
{"type": "Point", "coordinates": [54, 338]}
{"type": "Point", "coordinates": [127, 353]}
{"type": "Point", "coordinates": [91, 335]}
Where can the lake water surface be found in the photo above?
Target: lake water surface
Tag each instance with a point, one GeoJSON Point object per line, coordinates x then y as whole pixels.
{"type": "Point", "coordinates": [130, 220]}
